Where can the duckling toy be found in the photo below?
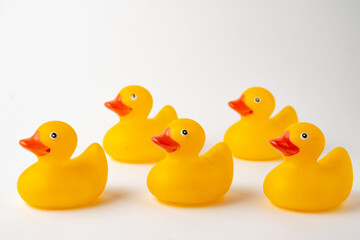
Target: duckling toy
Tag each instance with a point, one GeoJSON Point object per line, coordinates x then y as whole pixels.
{"type": "Point", "coordinates": [249, 138]}
{"type": "Point", "coordinates": [55, 181]}
{"type": "Point", "coordinates": [184, 177]}
{"type": "Point", "coordinates": [301, 182]}
{"type": "Point", "coordinates": [130, 139]}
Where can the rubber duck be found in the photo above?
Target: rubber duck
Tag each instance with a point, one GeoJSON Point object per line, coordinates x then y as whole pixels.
{"type": "Point", "coordinates": [183, 177]}
{"type": "Point", "coordinates": [56, 181]}
{"type": "Point", "coordinates": [249, 138]}
{"type": "Point", "coordinates": [130, 139]}
{"type": "Point", "coordinates": [302, 182]}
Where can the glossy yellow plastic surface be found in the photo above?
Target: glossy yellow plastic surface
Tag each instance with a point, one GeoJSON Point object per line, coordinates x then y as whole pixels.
{"type": "Point", "coordinates": [184, 177]}
{"type": "Point", "coordinates": [130, 139]}
{"type": "Point", "coordinates": [55, 181]}
{"type": "Point", "coordinates": [249, 138]}
{"type": "Point", "coordinates": [301, 182]}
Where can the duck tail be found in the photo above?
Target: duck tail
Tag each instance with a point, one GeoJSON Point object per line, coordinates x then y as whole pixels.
{"type": "Point", "coordinates": [339, 161]}
{"type": "Point", "coordinates": [94, 160]}
{"type": "Point", "coordinates": [286, 116]}
{"type": "Point", "coordinates": [166, 115]}
{"type": "Point", "coordinates": [220, 154]}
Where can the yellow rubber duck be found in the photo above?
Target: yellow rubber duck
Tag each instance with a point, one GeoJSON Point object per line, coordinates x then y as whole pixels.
{"type": "Point", "coordinates": [55, 181]}
{"type": "Point", "coordinates": [184, 177]}
{"type": "Point", "coordinates": [249, 138]}
{"type": "Point", "coordinates": [130, 139]}
{"type": "Point", "coordinates": [301, 182]}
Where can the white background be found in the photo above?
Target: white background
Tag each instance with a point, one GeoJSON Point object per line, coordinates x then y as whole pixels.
{"type": "Point", "coordinates": [61, 60]}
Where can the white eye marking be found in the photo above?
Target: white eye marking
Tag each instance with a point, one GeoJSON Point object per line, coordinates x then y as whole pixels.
{"type": "Point", "coordinates": [184, 132]}
{"type": "Point", "coordinates": [133, 97]}
{"type": "Point", "coordinates": [257, 99]}
{"type": "Point", "coordinates": [53, 135]}
{"type": "Point", "coordinates": [304, 136]}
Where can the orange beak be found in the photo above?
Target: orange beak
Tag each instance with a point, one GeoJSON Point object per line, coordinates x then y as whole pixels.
{"type": "Point", "coordinates": [240, 106]}
{"type": "Point", "coordinates": [34, 145]}
{"type": "Point", "coordinates": [165, 141]}
{"type": "Point", "coordinates": [118, 106]}
{"type": "Point", "coordinates": [284, 145]}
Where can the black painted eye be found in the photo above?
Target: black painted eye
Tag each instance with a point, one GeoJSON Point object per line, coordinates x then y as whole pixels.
{"type": "Point", "coordinates": [53, 135]}
{"type": "Point", "coordinates": [257, 100]}
{"type": "Point", "coordinates": [184, 132]}
{"type": "Point", "coordinates": [133, 97]}
{"type": "Point", "coordinates": [304, 136]}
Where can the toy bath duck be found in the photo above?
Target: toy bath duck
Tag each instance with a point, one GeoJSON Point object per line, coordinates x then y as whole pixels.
{"type": "Point", "coordinates": [184, 177]}
{"type": "Point", "coordinates": [301, 182]}
{"type": "Point", "coordinates": [55, 181]}
{"type": "Point", "coordinates": [130, 139]}
{"type": "Point", "coordinates": [249, 138]}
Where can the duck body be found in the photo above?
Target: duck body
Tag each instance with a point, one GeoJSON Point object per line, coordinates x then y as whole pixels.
{"type": "Point", "coordinates": [190, 179]}
{"type": "Point", "coordinates": [253, 142]}
{"type": "Point", "coordinates": [306, 184]}
{"type": "Point", "coordinates": [249, 137]}
{"type": "Point", "coordinates": [62, 183]}
{"type": "Point", "coordinates": [130, 139]}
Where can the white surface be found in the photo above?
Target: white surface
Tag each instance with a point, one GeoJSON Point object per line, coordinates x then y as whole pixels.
{"type": "Point", "coordinates": [63, 59]}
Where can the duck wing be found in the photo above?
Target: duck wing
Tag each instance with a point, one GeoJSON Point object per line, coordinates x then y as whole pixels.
{"type": "Point", "coordinates": [166, 115]}
{"type": "Point", "coordinates": [285, 117]}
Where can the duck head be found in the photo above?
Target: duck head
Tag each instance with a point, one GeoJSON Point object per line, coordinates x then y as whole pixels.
{"type": "Point", "coordinates": [131, 102]}
{"type": "Point", "coordinates": [300, 140]}
{"type": "Point", "coordinates": [52, 140]}
{"type": "Point", "coordinates": [254, 103]}
{"type": "Point", "coordinates": [181, 137]}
